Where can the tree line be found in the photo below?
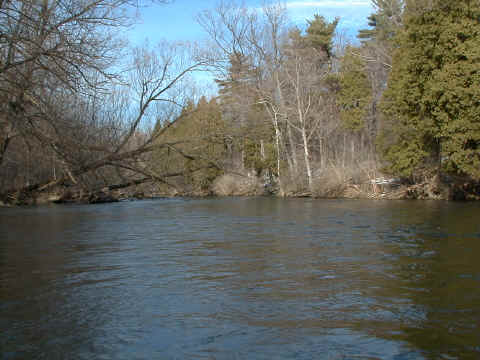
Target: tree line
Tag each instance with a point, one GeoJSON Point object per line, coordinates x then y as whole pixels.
{"type": "Point", "coordinates": [299, 110]}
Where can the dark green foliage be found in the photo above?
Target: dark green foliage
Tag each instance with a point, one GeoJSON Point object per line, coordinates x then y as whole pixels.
{"type": "Point", "coordinates": [241, 74]}
{"type": "Point", "coordinates": [384, 22]}
{"type": "Point", "coordinates": [369, 34]}
{"type": "Point", "coordinates": [320, 34]}
{"type": "Point", "coordinates": [199, 134]}
{"type": "Point", "coordinates": [355, 94]}
{"type": "Point", "coordinates": [432, 105]}
{"type": "Point", "coordinates": [258, 158]}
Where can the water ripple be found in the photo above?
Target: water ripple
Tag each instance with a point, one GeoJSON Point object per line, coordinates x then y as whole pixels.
{"type": "Point", "coordinates": [241, 279]}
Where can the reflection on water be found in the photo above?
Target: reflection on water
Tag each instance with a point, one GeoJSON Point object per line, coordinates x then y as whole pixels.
{"type": "Point", "coordinates": [241, 279]}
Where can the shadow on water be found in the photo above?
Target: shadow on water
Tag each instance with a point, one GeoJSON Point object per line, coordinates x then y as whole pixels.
{"type": "Point", "coordinates": [248, 278]}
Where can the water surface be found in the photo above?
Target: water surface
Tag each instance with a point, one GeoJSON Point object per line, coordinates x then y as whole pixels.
{"type": "Point", "coordinates": [241, 278]}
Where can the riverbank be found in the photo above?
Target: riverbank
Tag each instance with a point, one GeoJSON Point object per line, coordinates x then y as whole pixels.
{"type": "Point", "coordinates": [378, 188]}
{"type": "Point", "coordinates": [435, 188]}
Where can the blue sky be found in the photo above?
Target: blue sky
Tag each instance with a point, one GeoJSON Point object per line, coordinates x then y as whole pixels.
{"type": "Point", "coordinates": [176, 22]}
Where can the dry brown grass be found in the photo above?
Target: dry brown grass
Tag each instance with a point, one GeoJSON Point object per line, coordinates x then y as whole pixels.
{"type": "Point", "coordinates": [332, 181]}
{"type": "Point", "coordinates": [235, 185]}
{"type": "Point", "coordinates": [353, 181]}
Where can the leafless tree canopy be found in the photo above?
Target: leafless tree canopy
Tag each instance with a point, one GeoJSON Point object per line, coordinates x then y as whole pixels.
{"type": "Point", "coordinates": [67, 106]}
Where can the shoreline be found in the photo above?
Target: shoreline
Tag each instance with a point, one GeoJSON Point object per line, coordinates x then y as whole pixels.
{"type": "Point", "coordinates": [432, 189]}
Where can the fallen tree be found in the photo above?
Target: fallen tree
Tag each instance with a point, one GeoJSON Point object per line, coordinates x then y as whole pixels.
{"type": "Point", "coordinates": [66, 119]}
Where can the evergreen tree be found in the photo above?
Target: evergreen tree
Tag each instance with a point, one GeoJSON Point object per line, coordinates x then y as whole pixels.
{"type": "Point", "coordinates": [200, 136]}
{"type": "Point", "coordinates": [355, 94]}
{"type": "Point", "coordinates": [320, 34]}
{"type": "Point", "coordinates": [384, 22]}
{"type": "Point", "coordinates": [247, 130]}
{"type": "Point", "coordinates": [432, 102]}
{"type": "Point", "coordinates": [239, 79]}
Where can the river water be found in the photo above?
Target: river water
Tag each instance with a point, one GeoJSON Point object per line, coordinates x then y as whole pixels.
{"type": "Point", "coordinates": [241, 278]}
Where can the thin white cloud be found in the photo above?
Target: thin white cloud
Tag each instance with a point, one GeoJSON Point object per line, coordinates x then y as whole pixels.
{"type": "Point", "coordinates": [328, 4]}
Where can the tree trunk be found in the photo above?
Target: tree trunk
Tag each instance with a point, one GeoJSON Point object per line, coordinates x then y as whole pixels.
{"type": "Point", "coordinates": [352, 150]}
{"type": "Point", "coordinates": [277, 146]}
{"type": "Point", "coordinates": [293, 150]}
{"type": "Point", "coordinates": [291, 158]}
{"type": "Point", "coordinates": [307, 158]}
{"type": "Point", "coordinates": [262, 150]}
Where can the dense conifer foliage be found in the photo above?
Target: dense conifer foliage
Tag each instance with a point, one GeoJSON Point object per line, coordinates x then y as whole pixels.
{"type": "Point", "coordinates": [431, 105]}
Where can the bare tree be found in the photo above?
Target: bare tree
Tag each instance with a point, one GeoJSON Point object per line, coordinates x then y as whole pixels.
{"type": "Point", "coordinates": [54, 44]}
{"type": "Point", "coordinates": [256, 36]}
{"type": "Point", "coordinates": [59, 93]}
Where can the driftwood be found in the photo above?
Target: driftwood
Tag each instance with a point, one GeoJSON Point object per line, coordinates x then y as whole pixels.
{"type": "Point", "coordinates": [56, 192]}
{"type": "Point", "coordinates": [65, 189]}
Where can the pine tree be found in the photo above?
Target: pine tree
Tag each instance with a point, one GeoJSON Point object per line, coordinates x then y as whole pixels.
{"type": "Point", "coordinates": [384, 22]}
{"type": "Point", "coordinates": [320, 34]}
{"type": "Point", "coordinates": [355, 94]}
{"type": "Point", "coordinates": [432, 102]}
